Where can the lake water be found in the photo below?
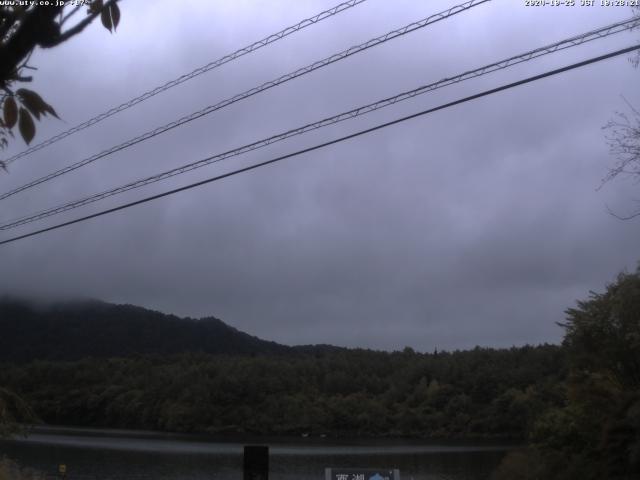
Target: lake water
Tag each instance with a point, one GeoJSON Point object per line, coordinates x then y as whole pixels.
{"type": "Point", "coordinates": [111, 454]}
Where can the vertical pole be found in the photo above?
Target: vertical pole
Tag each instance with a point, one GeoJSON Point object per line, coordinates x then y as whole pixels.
{"type": "Point", "coordinates": [256, 462]}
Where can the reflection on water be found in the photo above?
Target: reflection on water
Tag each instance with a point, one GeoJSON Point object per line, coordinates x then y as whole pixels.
{"type": "Point", "coordinates": [139, 456]}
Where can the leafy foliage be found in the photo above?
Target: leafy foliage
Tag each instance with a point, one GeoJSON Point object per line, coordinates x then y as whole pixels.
{"type": "Point", "coordinates": [109, 16]}
{"type": "Point", "coordinates": [596, 433]}
{"type": "Point", "coordinates": [32, 106]}
{"type": "Point", "coordinates": [166, 378]}
{"type": "Point", "coordinates": [603, 333]}
{"type": "Point", "coordinates": [9, 470]}
{"type": "Point", "coordinates": [23, 27]}
{"type": "Point", "coordinates": [14, 413]}
{"type": "Point", "coordinates": [578, 404]}
{"type": "Point", "coordinates": [477, 393]}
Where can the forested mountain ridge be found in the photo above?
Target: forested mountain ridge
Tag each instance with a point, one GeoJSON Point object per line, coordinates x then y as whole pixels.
{"type": "Point", "coordinates": [91, 328]}
{"type": "Point", "coordinates": [97, 364]}
{"type": "Point", "coordinates": [577, 404]}
{"type": "Point", "coordinates": [364, 393]}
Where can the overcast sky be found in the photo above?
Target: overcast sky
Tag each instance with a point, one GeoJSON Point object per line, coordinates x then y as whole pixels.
{"type": "Point", "coordinates": [477, 225]}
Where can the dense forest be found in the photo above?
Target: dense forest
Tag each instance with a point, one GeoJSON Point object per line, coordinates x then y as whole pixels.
{"type": "Point", "coordinates": [594, 432]}
{"type": "Point", "coordinates": [482, 392]}
{"type": "Point", "coordinates": [91, 363]}
{"type": "Point", "coordinates": [576, 405]}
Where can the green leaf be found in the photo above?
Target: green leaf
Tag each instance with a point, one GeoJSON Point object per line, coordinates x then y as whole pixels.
{"type": "Point", "coordinates": [26, 125]}
{"type": "Point", "coordinates": [105, 17]}
{"type": "Point", "coordinates": [10, 112]}
{"type": "Point", "coordinates": [34, 103]}
{"type": "Point", "coordinates": [115, 14]}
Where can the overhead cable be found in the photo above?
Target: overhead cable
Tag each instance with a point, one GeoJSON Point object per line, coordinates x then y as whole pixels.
{"type": "Point", "coordinates": [356, 112]}
{"type": "Point", "coordinates": [328, 143]}
{"type": "Point", "coordinates": [188, 76]}
{"type": "Point", "coordinates": [253, 91]}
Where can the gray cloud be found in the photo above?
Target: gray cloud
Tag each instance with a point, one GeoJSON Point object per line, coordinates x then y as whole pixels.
{"type": "Point", "coordinates": [476, 225]}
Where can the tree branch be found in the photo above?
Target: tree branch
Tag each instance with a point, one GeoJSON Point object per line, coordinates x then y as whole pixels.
{"type": "Point", "coordinates": [80, 26]}
{"type": "Point", "coordinates": [37, 27]}
{"type": "Point", "coordinates": [69, 15]}
{"type": "Point", "coordinates": [621, 217]}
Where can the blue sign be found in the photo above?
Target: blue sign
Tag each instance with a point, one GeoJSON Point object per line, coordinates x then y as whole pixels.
{"type": "Point", "coordinates": [361, 474]}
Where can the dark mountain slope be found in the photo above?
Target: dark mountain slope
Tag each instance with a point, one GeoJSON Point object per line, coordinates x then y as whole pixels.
{"type": "Point", "coordinates": [75, 330]}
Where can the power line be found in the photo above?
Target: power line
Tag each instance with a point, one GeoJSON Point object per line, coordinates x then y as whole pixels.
{"type": "Point", "coordinates": [502, 64]}
{"type": "Point", "coordinates": [265, 86]}
{"type": "Point", "coordinates": [188, 76]}
{"type": "Point", "coordinates": [331, 142]}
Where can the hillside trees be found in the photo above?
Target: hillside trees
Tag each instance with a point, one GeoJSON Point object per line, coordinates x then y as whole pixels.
{"type": "Point", "coordinates": [14, 413]}
{"type": "Point", "coordinates": [595, 434]}
{"type": "Point", "coordinates": [339, 393]}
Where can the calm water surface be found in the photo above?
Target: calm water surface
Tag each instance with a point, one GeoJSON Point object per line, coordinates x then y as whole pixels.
{"type": "Point", "coordinates": [112, 454]}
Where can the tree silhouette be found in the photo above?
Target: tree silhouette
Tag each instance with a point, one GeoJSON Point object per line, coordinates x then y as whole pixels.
{"type": "Point", "coordinates": [623, 139]}
{"type": "Point", "coordinates": [23, 28]}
